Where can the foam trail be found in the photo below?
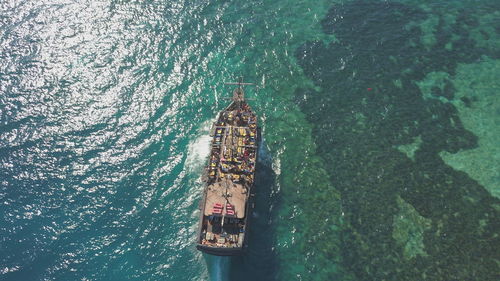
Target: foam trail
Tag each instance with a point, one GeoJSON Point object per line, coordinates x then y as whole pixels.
{"type": "Point", "coordinates": [264, 155]}
{"type": "Point", "coordinates": [219, 269]}
{"type": "Point", "coordinates": [199, 149]}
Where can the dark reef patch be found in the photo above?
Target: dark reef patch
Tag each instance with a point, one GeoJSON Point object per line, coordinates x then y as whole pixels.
{"type": "Point", "coordinates": [360, 115]}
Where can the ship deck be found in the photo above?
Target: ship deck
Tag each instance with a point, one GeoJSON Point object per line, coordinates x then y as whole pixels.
{"type": "Point", "coordinates": [230, 176]}
{"type": "Point", "coordinates": [226, 192]}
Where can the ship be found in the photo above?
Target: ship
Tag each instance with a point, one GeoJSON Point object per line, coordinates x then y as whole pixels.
{"type": "Point", "coordinates": [229, 178]}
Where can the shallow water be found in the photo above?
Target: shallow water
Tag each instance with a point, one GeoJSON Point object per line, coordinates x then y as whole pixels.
{"type": "Point", "coordinates": [380, 123]}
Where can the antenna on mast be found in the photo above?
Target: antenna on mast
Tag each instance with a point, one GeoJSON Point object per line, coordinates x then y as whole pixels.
{"type": "Point", "coordinates": [239, 83]}
{"type": "Point", "coordinates": [238, 94]}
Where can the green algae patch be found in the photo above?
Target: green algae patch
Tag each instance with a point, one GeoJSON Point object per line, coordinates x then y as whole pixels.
{"type": "Point", "coordinates": [486, 32]}
{"type": "Point", "coordinates": [429, 28]}
{"type": "Point", "coordinates": [408, 230]}
{"type": "Point", "coordinates": [478, 104]}
{"type": "Point", "coordinates": [409, 149]}
{"type": "Point", "coordinates": [435, 86]}
{"type": "Point", "coordinates": [398, 83]}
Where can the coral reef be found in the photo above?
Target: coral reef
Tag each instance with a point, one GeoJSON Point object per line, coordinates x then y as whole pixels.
{"type": "Point", "coordinates": [367, 106]}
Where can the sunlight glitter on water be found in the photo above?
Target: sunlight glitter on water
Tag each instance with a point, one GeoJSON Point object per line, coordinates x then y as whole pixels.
{"type": "Point", "coordinates": [101, 148]}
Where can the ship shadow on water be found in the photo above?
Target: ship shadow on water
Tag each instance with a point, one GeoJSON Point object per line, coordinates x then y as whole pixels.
{"type": "Point", "coordinates": [259, 260]}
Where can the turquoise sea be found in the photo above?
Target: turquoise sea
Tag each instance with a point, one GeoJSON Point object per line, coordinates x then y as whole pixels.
{"type": "Point", "coordinates": [380, 158]}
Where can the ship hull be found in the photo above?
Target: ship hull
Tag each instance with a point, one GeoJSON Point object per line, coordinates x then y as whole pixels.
{"type": "Point", "coordinates": [227, 201]}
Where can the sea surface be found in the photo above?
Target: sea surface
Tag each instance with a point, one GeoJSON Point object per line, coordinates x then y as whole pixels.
{"type": "Point", "coordinates": [379, 161]}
